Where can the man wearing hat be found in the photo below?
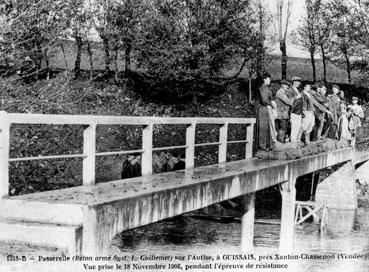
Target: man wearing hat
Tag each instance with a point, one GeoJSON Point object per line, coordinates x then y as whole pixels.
{"type": "Point", "coordinates": [284, 103]}
{"type": "Point", "coordinates": [356, 113]}
{"type": "Point", "coordinates": [294, 90]}
{"type": "Point", "coordinates": [320, 102]}
{"type": "Point", "coordinates": [334, 107]}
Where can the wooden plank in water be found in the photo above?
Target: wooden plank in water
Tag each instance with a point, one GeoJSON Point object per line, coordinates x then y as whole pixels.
{"type": "Point", "coordinates": [268, 221]}
{"type": "Point", "coordinates": [225, 219]}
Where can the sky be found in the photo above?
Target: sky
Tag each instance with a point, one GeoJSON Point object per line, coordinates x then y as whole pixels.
{"type": "Point", "coordinates": [298, 11]}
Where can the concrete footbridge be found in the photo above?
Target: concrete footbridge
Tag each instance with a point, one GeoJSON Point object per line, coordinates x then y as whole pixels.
{"type": "Point", "coordinates": [84, 219]}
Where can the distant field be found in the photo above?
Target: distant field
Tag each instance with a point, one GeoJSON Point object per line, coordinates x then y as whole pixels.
{"type": "Point", "coordinates": [59, 62]}
{"type": "Point", "coordinates": [302, 68]}
{"type": "Point", "coordinates": [296, 66]}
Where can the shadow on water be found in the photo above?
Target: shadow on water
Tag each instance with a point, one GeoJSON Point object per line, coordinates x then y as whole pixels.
{"type": "Point", "coordinates": [180, 230]}
{"type": "Point", "coordinates": [347, 232]}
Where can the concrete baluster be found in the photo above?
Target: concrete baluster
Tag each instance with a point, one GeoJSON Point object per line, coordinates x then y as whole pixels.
{"type": "Point", "coordinates": [190, 143]}
{"type": "Point", "coordinates": [248, 219]}
{"type": "Point", "coordinates": [147, 149]}
{"type": "Point", "coordinates": [288, 192]}
{"type": "Point", "coordinates": [4, 154]}
{"type": "Point", "coordinates": [223, 137]}
{"type": "Point", "coordinates": [250, 139]}
{"type": "Point", "coordinates": [89, 150]}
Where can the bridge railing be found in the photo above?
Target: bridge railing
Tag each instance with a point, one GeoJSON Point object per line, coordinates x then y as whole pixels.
{"type": "Point", "coordinates": [89, 139]}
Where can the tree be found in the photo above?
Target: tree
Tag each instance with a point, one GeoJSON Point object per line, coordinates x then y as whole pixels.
{"type": "Point", "coordinates": [118, 23]}
{"type": "Point", "coordinates": [263, 18]}
{"type": "Point", "coordinates": [102, 15]}
{"type": "Point", "coordinates": [195, 39]}
{"type": "Point", "coordinates": [359, 11]}
{"type": "Point", "coordinates": [31, 30]}
{"type": "Point", "coordinates": [79, 24]}
{"type": "Point", "coordinates": [343, 37]}
{"type": "Point", "coordinates": [309, 31]}
{"type": "Point", "coordinates": [323, 35]}
{"type": "Point", "coordinates": [283, 21]}
{"type": "Point", "coordinates": [126, 20]}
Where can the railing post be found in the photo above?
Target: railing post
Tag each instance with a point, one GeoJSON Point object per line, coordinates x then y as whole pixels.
{"type": "Point", "coordinates": [89, 150]}
{"type": "Point", "coordinates": [223, 137]}
{"type": "Point", "coordinates": [147, 150]}
{"type": "Point", "coordinates": [190, 143]}
{"type": "Point", "coordinates": [4, 154]}
{"type": "Point", "coordinates": [250, 139]}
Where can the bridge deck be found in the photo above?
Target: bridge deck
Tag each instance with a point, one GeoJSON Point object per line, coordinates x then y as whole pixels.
{"type": "Point", "coordinates": [269, 172]}
{"type": "Point", "coordinates": [133, 187]}
{"type": "Point", "coordinates": [106, 209]}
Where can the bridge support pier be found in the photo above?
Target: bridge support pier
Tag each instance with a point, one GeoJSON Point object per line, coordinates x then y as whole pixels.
{"type": "Point", "coordinates": [90, 235]}
{"type": "Point", "coordinates": [288, 192]}
{"type": "Point", "coordinates": [362, 173]}
{"type": "Point", "coordinates": [248, 220]}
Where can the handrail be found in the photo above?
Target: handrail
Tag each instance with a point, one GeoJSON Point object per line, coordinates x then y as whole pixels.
{"type": "Point", "coordinates": [59, 119]}
{"type": "Point", "coordinates": [89, 139]}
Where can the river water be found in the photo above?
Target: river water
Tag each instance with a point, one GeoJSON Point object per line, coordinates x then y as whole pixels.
{"type": "Point", "coordinates": [347, 233]}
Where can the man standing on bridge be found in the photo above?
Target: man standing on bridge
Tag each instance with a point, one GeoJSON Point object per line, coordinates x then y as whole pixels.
{"type": "Point", "coordinates": [284, 103]}
{"type": "Point", "coordinates": [320, 103]}
{"type": "Point", "coordinates": [296, 118]}
{"type": "Point", "coordinates": [334, 107]}
{"type": "Point", "coordinates": [356, 114]}
{"type": "Point", "coordinates": [264, 137]}
{"type": "Point", "coordinates": [295, 89]}
{"type": "Point", "coordinates": [308, 118]}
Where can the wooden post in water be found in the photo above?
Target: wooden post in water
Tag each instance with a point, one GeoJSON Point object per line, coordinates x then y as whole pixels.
{"type": "Point", "coordinates": [4, 154]}
{"type": "Point", "coordinates": [288, 192]}
{"type": "Point", "coordinates": [247, 226]}
{"type": "Point", "coordinates": [190, 143]}
{"type": "Point", "coordinates": [89, 150]}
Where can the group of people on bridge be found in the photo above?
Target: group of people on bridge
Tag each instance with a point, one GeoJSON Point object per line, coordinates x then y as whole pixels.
{"type": "Point", "coordinates": [301, 113]}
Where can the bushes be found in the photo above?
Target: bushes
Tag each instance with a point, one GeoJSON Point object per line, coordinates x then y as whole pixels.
{"type": "Point", "coordinates": [178, 91]}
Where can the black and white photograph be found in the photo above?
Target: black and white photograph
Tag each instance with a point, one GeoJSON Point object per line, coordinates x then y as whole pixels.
{"type": "Point", "coordinates": [184, 135]}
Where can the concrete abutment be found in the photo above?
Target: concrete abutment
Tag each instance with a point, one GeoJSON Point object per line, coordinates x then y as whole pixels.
{"type": "Point", "coordinates": [288, 192]}
{"type": "Point", "coordinates": [248, 221]}
{"type": "Point", "coordinates": [338, 191]}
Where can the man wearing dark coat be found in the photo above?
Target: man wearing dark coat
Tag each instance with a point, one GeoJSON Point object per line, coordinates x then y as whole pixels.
{"type": "Point", "coordinates": [320, 115]}
{"type": "Point", "coordinates": [296, 84]}
{"type": "Point", "coordinates": [334, 107]}
{"type": "Point", "coordinates": [284, 103]}
{"type": "Point", "coordinates": [264, 132]}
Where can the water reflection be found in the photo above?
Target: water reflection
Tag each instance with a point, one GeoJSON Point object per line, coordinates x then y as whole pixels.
{"type": "Point", "coordinates": [347, 232]}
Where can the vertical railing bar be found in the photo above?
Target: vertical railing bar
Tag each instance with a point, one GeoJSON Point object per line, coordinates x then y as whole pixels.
{"type": "Point", "coordinates": [190, 143]}
{"type": "Point", "coordinates": [223, 138]}
{"type": "Point", "coordinates": [146, 163]}
{"type": "Point", "coordinates": [250, 139]}
{"type": "Point", "coordinates": [4, 154]}
{"type": "Point", "coordinates": [89, 150]}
